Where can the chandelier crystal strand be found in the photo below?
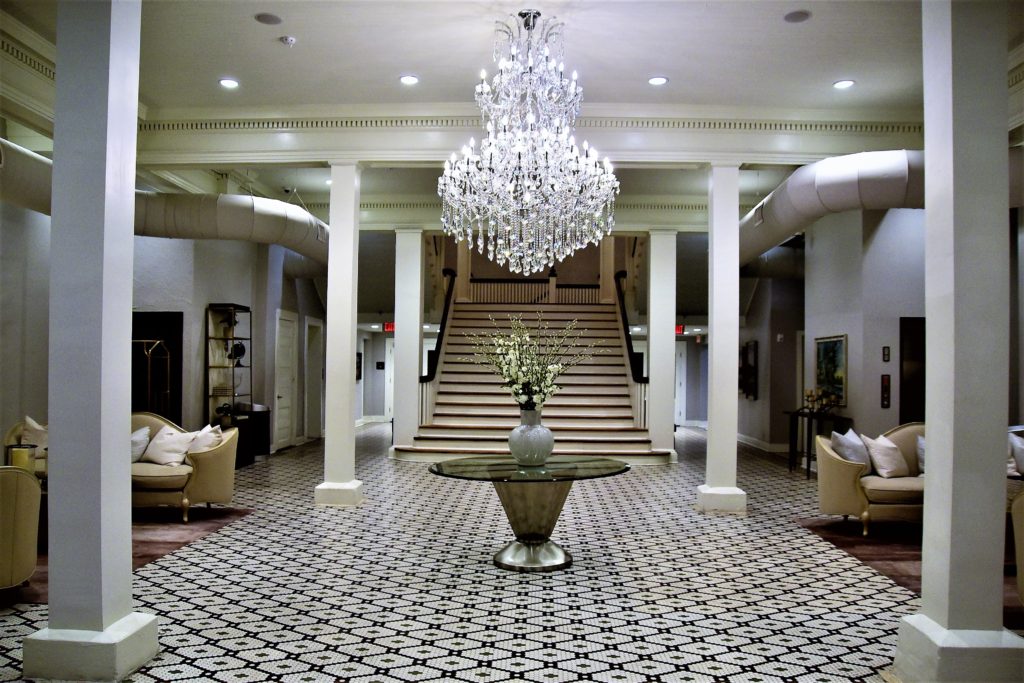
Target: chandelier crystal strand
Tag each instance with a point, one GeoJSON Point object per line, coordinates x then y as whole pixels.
{"type": "Point", "coordinates": [528, 195]}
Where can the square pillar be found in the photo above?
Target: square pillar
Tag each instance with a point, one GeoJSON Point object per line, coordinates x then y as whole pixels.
{"type": "Point", "coordinates": [464, 258]}
{"type": "Point", "coordinates": [661, 339]}
{"type": "Point", "coordinates": [607, 271]}
{"type": "Point", "coordinates": [719, 493]}
{"type": "Point", "coordinates": [92, 634]}
{"type": "Point", "coordinates": [408, 332]}
{"type": "Point", "coordinates": [958, 634]}
{"type": "Point", "coordinates": [340, 486]}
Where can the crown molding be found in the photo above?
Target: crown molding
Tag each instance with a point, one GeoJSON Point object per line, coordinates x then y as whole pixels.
{"type": "Point", "coordinates": [379, 123]}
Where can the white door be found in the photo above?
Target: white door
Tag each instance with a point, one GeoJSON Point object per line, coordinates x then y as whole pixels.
{"type": "Point", "coordinates": [389, 378]}
{"type": "Point", "coordinates": [680, 383]}
{"type": "Point", "coordinates": [314, 378]}
{"type": "Point", "coordinates": [285, 362]}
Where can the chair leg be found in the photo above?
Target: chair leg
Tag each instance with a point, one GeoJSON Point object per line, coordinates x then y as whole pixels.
{"type": "Point", "coordinates": [846, 517]}
{"type": "Point", "coordinates": [184, 509]}
{"type": "Point", "coordinates": [864, 519]}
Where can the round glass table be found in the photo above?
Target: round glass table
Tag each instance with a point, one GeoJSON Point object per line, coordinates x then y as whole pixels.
{"type": "Point", "coordinates": [533, 498]}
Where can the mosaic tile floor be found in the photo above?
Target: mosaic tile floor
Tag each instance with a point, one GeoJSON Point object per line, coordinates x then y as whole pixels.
{"type": "Point", "coordinates": [402, 588]}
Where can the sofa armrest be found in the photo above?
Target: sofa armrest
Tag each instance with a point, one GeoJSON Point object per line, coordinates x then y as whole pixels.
{"type": "Point", "coordinates": [213, 478]}
{"type": "Point", "coordinates": [839, 489]}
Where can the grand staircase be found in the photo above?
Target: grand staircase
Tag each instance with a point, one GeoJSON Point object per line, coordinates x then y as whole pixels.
{"type": "Point", "coordinates": [590, 415]}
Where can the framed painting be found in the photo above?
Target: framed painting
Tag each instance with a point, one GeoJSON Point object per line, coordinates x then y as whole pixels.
{"type": "Point", "coordinates": [830, 366]}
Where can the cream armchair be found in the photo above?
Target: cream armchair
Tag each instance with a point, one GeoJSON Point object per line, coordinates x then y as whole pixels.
{"type": "Point", "coordinates": [847, 488]}
{"type": "Point", "coordinates": [205, 476]}
{"type": "Point", "coordinates": [20, 494]}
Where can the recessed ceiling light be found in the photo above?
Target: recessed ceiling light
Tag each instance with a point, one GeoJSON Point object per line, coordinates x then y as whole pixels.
{"type": "Point", "coordinates": [797, 16]}
{"type": "Point", "coordinates": [229, 83]}
{"type": "Point", "coordinates": [426, 327]}
{"type": "Point", "coordinates": [375, 327]}
{"type": "Point", "coordinates": [409, 79]}
{"type": "Point", "coordinates": [329, 181]}
{"type": "Point", "coordinates": [697, 329]}
{"type": "Point", "coordinates": [843, 85]}
{"type": "Point", "coordinates": [635, 329]}
{"type": "Point", "coordinates": [657, 80]}
{"type": "Point", "coordinates": [268, 18]}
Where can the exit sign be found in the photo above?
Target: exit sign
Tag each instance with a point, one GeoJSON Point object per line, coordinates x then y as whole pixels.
{"type": "Point", "coordinates": [679, 329]}
{"type": "Point", "coordinates": [389, 327]}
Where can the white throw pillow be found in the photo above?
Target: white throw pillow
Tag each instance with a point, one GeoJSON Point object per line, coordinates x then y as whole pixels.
{"type": "Point", "coordinates": [168, 447]}
{"type": "Point", "coordinates": [886, 457]}
{"type": "Point", "coordinates": [207, 438]}
{"type": "Point", "coordinates": [848, 446]}
{"type": "Point", "coordinates": [1015, 463]}
{"type": "Point", "coordinates": [37, 434]}
{"type": "Point", "coordinates": [140, 441]}
{"type": "Point", "coordinates": [920, 452]}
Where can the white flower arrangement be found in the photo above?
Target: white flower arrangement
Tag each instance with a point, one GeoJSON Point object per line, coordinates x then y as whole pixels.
{"type": "Point", "coordinates": [530, 360]}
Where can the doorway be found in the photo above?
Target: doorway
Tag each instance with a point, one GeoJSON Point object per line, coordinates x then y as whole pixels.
{"type": "Point", "coordinates": [285, 371]}
{"type": "Point", "coordinates": [912, 370]}
{"type": "Point", "coordinates": [157, 363]}
{"type": "Point", "coordinates": [314, 378]}
{"type": "Point", "coordinates": [389, 378]}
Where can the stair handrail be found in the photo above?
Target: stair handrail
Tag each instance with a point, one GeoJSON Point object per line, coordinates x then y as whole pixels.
{"type": "Point", "coordinates": [434, 354]}
{"type": "Point", "coordinates": [636, 359]}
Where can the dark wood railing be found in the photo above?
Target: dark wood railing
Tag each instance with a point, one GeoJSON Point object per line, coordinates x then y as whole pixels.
{"type": "Point", "coordinates": [636, 359]}
{"type": "Point", "coordinates": [434, 354]}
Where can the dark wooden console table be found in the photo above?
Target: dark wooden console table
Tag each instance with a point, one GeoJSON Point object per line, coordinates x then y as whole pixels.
{"type": "Point", "coordinates": [816, 422]}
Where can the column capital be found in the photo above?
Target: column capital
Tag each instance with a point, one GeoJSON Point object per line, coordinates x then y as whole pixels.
{"type": "Point", "coordinates": [725, 164]}
{"type": "Point", "coordinates": [662, 230]}
{"type": "Point", "coordinates": [410, 229]}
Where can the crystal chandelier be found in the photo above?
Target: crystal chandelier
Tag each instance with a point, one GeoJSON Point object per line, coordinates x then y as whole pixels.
{"type": "Point", "coordinates": [528, 192]}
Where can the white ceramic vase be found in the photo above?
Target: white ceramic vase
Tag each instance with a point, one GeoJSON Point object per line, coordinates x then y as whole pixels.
{"type": "Point", "coordinates": [531, 442]}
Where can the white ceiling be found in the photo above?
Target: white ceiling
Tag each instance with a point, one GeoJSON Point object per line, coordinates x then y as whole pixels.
{"type": "Point", "coordinates": [739, 57]}
{"type": "Point", "coordinates": [351, 52]}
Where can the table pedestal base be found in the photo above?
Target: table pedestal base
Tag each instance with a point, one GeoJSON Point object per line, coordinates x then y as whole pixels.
{"type": "Point", "coordinates": [532, 557]}
{"type": "Point", "coordinates": [532, 509]}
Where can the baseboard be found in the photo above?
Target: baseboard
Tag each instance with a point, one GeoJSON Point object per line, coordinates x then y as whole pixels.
{"type": "Point", "coordinates": [763, 445]}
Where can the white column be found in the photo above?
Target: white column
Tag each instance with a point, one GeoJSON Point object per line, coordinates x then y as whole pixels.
{"type": "Point", "coordinates": [608, 270]}
{"type": "Point", "coordinates": [93, 633]}
{"type": "Point", "coordinates": [720, 493]}
{"type": "Point", "coordinates": [661, 339]}
{"type": "Point", "coordinates": [408, 332]}
{"type": "Point", "coordinates": [958, 634]}
{"type": "Point", "coordinates": [340, 486]}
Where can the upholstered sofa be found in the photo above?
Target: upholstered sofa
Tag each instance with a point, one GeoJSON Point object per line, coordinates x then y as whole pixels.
{"type": "Point", "coordinates": [849, 488]}
{"type": "Point", "coordinates": [19, 525]}
{"type": "Point", "coordinates": [206, 476]}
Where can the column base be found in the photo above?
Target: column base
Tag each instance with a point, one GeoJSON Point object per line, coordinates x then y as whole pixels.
{"type": "Point", "coordinates": [928, 652]}
{"type": "Point", "coordinates": [345, 494]}
{"type": "Point", "coordinates": [76, 655]}
{"type": "Point", "coordinates": [728, 499]}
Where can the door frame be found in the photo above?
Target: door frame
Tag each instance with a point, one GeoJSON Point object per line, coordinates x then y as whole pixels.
{"type": "Point", "coordinates": [279, 441]}
{"type": "Point", "coordinates": [313, 399]}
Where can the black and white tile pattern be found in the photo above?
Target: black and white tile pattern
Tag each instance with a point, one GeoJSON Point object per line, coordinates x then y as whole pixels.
{"type": "Point", "coordinates": [402, 588]}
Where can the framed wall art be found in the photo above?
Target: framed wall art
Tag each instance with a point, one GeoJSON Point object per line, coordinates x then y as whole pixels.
{"type": "Point", "coordinates": [830, 366]}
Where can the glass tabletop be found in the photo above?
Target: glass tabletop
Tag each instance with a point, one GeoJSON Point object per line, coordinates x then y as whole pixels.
{"type": "Point", "coordinates": [502, 468]}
